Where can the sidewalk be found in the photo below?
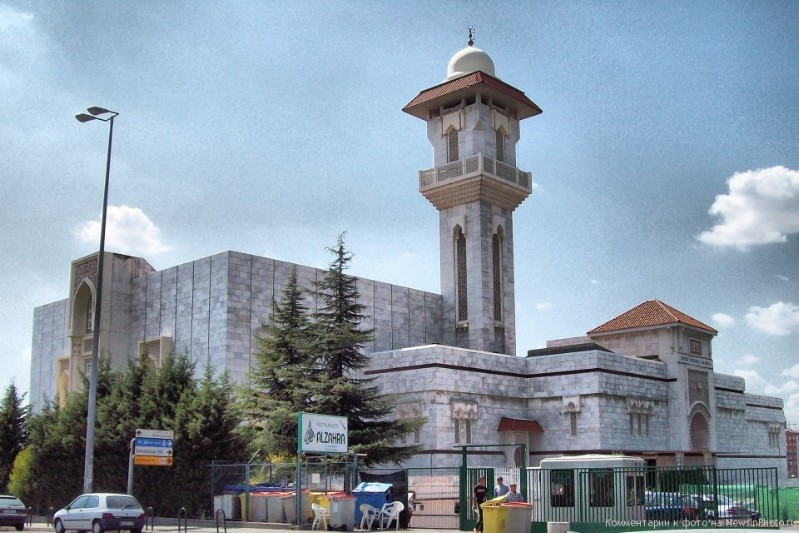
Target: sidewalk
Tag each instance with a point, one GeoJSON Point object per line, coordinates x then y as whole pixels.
{"type": "Point", "coordinates": [209, 526]}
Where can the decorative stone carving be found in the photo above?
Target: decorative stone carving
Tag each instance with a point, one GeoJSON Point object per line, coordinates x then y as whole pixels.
{"type": "Point", "coordinates": [460, 410]}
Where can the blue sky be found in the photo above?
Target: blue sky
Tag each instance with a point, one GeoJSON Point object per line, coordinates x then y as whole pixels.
{"type": "Point", "coordinates": [666, 161]}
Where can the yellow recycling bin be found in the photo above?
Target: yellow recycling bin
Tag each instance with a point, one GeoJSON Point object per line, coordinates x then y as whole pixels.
{"type": "Point", "coordinates": [495, 516]}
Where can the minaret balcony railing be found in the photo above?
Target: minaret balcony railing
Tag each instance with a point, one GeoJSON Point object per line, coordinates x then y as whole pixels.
{"type": "Point", "coordinates": [472, 166]}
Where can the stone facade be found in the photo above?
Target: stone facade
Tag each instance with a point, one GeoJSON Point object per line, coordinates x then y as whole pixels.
{"type": "Point", "coordinates": [212, 309]}
{"type": "Point", "coordinates": [642, 383]}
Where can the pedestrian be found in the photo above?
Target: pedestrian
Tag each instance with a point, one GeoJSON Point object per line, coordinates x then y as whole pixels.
{"type": "Point", "coordinates": [479, 495]}
{"type": "Point", "coordinates": [513, 495]}
{"type": "Point", "coordinates": [501, 489]}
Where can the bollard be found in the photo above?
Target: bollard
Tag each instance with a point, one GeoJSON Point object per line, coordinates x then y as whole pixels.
{"type": "Point", "coordinates": [149, 514]}
{"type": "Point", "coordinates": [50, 513]}
{"type": "Point", "coordinates": [183, 516]}
{"type": "Point", "coordinates": [224, 519]}
{"type": "Point", "coordinates": [30, 516]}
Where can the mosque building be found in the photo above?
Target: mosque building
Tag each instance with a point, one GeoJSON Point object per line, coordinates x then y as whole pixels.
{"type": "Point", "coordinates": [641, 383]}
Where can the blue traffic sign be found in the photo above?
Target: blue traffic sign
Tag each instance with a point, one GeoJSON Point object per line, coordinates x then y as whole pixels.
{"type": "Point", "coordinates": [154, 443]}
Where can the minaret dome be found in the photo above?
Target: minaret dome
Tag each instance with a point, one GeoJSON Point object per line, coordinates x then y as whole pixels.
{"type": "Point", "coordinates": [469, 60]}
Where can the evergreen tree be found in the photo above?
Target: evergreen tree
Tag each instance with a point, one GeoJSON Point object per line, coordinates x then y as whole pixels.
{"type": "Point", "coordinates": [338, 348]}
{"type": "Point", "coordinates": [13, 432]}
{"type": "Point", "coordinates": [278, 381]}
{"type": "Point", "coordinates": [206, 424]}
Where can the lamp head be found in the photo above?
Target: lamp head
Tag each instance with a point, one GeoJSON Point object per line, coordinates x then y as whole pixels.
{"type": "Point", "coordinates": [95, 110]}
{"type": "Point", "coordinates": [83, 117]}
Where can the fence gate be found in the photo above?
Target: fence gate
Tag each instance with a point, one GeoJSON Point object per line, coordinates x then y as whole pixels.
{"type": "Point", "coordinates": [469, 515]}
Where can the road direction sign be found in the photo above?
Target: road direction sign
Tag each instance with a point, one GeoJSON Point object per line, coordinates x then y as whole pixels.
{"type": "Point", "coordinates": [149, 450]}
{"type": "Point", "coordinates": [150, 460]}
{"type": "Point", "coordinates": [155, 434]}
{"type": "Point", "coordinates": [153, 443]}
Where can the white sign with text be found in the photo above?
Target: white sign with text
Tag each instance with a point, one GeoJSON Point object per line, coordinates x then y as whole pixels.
{"type": "Point", "coordinates": [322, 433]}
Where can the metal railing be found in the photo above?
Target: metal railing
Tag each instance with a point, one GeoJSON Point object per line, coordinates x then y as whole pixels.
{"type": "Point", "coordinates": [224, 519]}
{"type": "Point", "coordinates": [472, 165]}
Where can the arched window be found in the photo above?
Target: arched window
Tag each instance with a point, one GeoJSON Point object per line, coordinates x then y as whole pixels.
{"type": "Point", "coordinates": [452, 145]}
{"type": "Point", "coordinates": [497, 266]}
{"type": "Point", "coordinates": [500, 145]}
{"type": "Point", "coordinates": [461, 292]}
{"type": "Point", "coordinates": [89, 316]}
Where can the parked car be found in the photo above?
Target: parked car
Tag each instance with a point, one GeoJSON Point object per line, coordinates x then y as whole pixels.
{"type": "Point", "coordinates": [728, 508]}
{"type": "Point", "coordinates": [672, 506]}
{"type": "Point", "coordinates": [12, 512]}
{"type": "Point", "coordinates": [98, 512]}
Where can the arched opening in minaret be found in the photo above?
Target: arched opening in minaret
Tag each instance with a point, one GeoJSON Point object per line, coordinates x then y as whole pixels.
{"type": "Point", "coordinates": [497, 267]}
{"type": "Point", "coordinates": [452, 145]}
{"type": "Point", "coordinates": [461, 292]}
{"type": "Point", "coordinates": [500, 144]}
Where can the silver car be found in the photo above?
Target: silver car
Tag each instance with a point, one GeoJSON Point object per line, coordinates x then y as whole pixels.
{"type": "Point", "coordinates": [98, 512]}
{"type": "Point", "coordinates": [12, 512]}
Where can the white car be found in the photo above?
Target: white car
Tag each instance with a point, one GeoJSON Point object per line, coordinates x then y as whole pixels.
{"type": "Point", "coordinates": [98, 512]}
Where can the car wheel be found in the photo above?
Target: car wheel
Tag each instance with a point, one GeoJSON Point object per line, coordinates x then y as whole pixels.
{"type": "Point", "coordinates": [136, 530]}
{"type": "Point", "coordinates": [97, 527]}
{"type": "Point", "coordinates": [58, 526]}
{"type": "Point", "coordinates": [19, 527]}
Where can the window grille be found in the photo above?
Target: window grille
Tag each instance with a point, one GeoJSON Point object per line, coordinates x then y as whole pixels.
{"type": "Point", "coordinates": [461, 278]}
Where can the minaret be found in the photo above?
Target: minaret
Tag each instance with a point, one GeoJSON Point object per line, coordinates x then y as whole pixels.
{"type": "Point", "coordinates": [473, 124]}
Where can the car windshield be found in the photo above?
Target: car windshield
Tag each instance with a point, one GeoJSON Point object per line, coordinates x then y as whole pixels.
{"type": "Point", "coordinates": [120, 501]}
{"type": "Point", "coordinates": [11, 500]}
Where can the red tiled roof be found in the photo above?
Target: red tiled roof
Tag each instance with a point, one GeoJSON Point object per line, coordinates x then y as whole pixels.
{"type": "Point", "coordinates": [473, 79]}
{"type": "Point", "coordinates": [648, 314]}
{"type": "Point", "coordinates": [519, 424]}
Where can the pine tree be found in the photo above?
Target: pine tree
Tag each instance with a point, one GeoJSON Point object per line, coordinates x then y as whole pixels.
{"type": "Point", "coordinates": [338, 348]}
{"type": "Point", "coordinates": [13, 432]}
{"type": "Point", "coordinates": [278, 380]}
{"type": "Point", "coordinates": [207, 425]}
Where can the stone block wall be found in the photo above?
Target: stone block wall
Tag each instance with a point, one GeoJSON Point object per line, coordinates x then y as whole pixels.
{"type": "Point", "coordinates": [49, 342]}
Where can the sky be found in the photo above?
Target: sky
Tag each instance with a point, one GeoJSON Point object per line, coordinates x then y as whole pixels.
{"type": "Point", "coordinates": [666, 160]}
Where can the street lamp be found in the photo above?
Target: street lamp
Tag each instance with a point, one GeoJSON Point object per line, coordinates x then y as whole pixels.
{"type": "Point", "coordinates": [104, 115]}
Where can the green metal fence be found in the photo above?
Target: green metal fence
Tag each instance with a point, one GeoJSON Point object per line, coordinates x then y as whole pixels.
{"type": "Point", "coordinates": [611, 499]}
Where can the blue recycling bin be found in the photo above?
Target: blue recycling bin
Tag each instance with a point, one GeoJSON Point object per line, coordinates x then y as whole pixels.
{"type": "Point", "coordinates": [375, 494]}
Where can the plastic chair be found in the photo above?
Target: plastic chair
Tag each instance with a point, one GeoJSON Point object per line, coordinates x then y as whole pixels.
{"type": "Point", "coordinates": [389, 512]}
{"type": "Point", "coordinates": [369, 515]}
{"type": "Point", "coordinates": [320, 514]}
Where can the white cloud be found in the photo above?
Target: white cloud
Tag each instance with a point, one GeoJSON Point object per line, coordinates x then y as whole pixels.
{"type": "Point", "coordinates": [543, 306]}
{"type": "Point", "coordinates": [783, 278]}
{"type": "Point", "coordinates": [128, 231]}
{"type": "Point", "coordinates": [754, 381]}
{"type": "Point", "coordinates": [722, 320]}
{"type": "Point", "coordinates": [761, 207]}
{"type": "Point", "coordinates": [792, 372]}
{"type": "Point", "coordinates": [749, 359]}
{"type": "Point", "coordinates": [792, 408]}
{"type": "Point", "coordinates": [786, 389]}
{"type": "Point", "coordinates": [780, 318]}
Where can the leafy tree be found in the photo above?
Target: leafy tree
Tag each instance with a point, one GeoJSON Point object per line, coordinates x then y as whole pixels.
{"type": "Point", "coordinates": [278, 380]}
{"type": "Point", "coordinates": [13, 431]}
{"type": "Point", "coordinates": [20, 480]}
{"type": "Point", "coordinates": [338, 346]}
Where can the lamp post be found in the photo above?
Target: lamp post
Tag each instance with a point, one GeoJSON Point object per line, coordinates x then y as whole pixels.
{"type": "Point", "coordinates": [104, 115]}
